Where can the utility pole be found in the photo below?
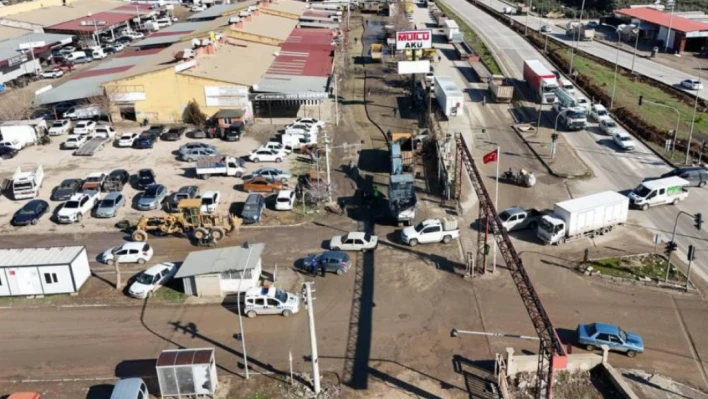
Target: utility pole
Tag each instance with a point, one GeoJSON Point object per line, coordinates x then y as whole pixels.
{"type": "Point", "coordinates": [691, 258]}
{"type": "Point", "coordinates": [313, 339]}
{"type": "Point", "coordinates": [240, 327]}
{"type": "Point", "coordinates": [336, 102]}
{"type": "Point", "coordinates": [329, 181]}
{"type": "Point", "coordinates": [118, 279]}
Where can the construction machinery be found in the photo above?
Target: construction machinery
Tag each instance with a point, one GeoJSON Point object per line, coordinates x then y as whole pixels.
{"type": "Point", "coordinates": [188, 219]}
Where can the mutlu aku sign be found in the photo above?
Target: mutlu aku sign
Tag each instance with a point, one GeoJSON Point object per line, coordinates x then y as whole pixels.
{"type": "Point", "coordinates": [414, 39]}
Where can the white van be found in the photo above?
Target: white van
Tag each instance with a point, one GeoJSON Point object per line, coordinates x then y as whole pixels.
{"type": "Point", "coordinates": [163, 22]}
{"type": "Point", "coordinates": [669, 190]}
{"type": "Point", "coordinates": [98, 54]}
{"type": "Point", "coordinates": [75, 55]}
{"type": "Point", "coordinates": [270, 300]}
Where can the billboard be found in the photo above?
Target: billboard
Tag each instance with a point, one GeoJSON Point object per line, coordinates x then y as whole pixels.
{"type": "Point", "coordinates": [414, 39]}
{"type": "Point", "coordinates": [411, 67]}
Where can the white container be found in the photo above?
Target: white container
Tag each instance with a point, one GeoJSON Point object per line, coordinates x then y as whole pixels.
{"type": "Point", "coordinates": [449, 96]}
{"type": "Point", "coordinates": [43, 271]}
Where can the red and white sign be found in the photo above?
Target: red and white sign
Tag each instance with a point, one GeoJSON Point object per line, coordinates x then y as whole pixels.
{"type": "Point", "coordinates": [414, 39]}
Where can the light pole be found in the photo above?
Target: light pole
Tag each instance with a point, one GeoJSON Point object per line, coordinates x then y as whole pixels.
{"type": "Point", "coordinates": [693, 120]}
{"type": "Point", "coordinates": [240, 325]}
{"type": "Point", "coordinates": [526, 25]}
{"type": "Point", "coordinates": [673, 237]}
{"type": "Point", "coordinates": [636, 44]}
{"type": "Point", "coordinates": [614, 85]}
{"type": "Point", "coordinates": [678, 119]}
{"type": "Point", "coordinates": [575, 42]}
{"type": "Point", "coordinates": [555, 128]}
{"type": "Point", "coordinates": [671, 4]}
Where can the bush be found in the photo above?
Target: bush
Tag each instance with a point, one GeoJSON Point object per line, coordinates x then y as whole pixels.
{"type": "Point", "coordinates": [193, 114]}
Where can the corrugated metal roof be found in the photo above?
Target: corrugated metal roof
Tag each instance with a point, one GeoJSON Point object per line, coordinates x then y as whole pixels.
{"type": "Point", "coordinates": [219, 10]}
{"type": "Point", "coordinates": [292, 84]}
{"type": "Point", "coordinates": [39, 256]}
{"type": "Point", "coordinates": [220, 260]}
{"type": "Point", "coordinates": [86, 24]}
{"type": "Point", "coordinates": [172, 34]}
{"type": "Point", "coordinates": [74, 90]}
{"type": "Point", "coordinates": [9, 48]}
{"type": "Point", "coordinates": [664, 19]}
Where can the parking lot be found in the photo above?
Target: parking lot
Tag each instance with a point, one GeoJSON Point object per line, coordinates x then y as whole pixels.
{"type": "Point", "coordinates": [173, 173]}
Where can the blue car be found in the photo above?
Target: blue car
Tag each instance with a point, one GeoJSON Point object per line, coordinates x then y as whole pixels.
{"type": "Point", "coordinates": [592, 336]}
{"type": "Point", "coordinates": [145, 140]}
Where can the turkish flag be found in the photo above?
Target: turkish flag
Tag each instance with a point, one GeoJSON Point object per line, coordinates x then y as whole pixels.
{"type": "Point", "coordinates": [491, 156]}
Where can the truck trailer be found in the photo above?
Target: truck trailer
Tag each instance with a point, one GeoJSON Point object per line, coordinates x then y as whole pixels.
{"type": "Point", "coordinates": [500, 89]}
{"type": "Point", "coordinates": [449, 96]}
{"type": "Point", "coordinates": [541, 80]}
{"type": "Point", "coordinates": [452, 31]}
{"type": "Point", "coordinates": [588, 216]}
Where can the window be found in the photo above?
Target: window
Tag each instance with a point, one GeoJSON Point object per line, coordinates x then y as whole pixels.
{"type": "Point", "coordinates": [273, 302]}
{"type": "Point", "coordinates": [50, 278]}
{"type": "Point", "coordinates": [260, 302]}
{"type": "Point", "coordinates": [603, 337]}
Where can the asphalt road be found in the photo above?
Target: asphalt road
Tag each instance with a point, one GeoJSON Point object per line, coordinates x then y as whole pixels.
{"type": "Point", "coordinates": [613, 170]}
{"type": "Point", "coordinates": [642, 66]}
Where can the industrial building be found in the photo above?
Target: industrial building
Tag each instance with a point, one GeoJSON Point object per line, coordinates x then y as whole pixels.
{"type": "Point", "coordinates": [43, 271]}
{"type": "Point", "coordinates": [22, 55]}
{"type": "Point", "coordinates": [682, 34]}
{"type": "Point", "coordinates": [218, 272]}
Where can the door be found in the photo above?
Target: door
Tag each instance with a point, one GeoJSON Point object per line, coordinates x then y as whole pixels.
{"type": "Point", "coordinates": [132, 256]}
{"type": "Point", "coordinates": [662, 197]}
{"type": "Point", "coordinates": [24, 281]}
{"type": "Point", "coordinates": [274, 306]}
{"type": "Point", "coordinates": [430, 234]}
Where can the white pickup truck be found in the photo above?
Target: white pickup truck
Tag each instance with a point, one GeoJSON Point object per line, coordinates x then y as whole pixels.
{"type": "Point", "coordinates": [220, 166]}
{"type": "Point", "coordinates": [74, 209]}
{"type": "Point", "coordinates": [431, 230]}
{"type": "Point", "coordinates": [516, 218]}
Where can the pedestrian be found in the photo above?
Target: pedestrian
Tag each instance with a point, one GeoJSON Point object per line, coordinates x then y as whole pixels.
{"type": "Point", "coordinates": [439, 58]}
{"type": "Point", "coordinates": [322, 269]}
{"type": "Point", "coordinates": [395, 111]}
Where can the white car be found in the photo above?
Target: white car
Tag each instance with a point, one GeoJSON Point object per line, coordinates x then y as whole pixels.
{"type": "Point", "coordinates": [355, 241]}
{"type": "Point", "coordinates": [301, 128]}
{"type": "Point", "coordinates": [84, 127]}
{"type": "Point", "coordinates": [74, 141]}
{"type": "Point", "coordinates": [582, 102]}
{"type": "Point", "coordinates": [74, 209]}
{"type": "Point", "coordinates": [127, 139]}
{"type": "Point", "coordinates": [12, 144]}
{"type": "Point", "coordinates": [59, 127]}
{"type": "Point", "coordinates": [266, 155]}
{"type": "Point", "coordinates": [598, 112]}
{"type": "Point", "coordinates": [129, 252]}
{"type": "Point", "coordinates": [546, 29]}
{"type": "Point", "coordinates": [118, 46]}
{"type": "Point", "coordinates": [609, 127]}
{"type": "Point", "coordinates": [105, 131]}
{"type": "Point", "coordinates": [309, 121]}
{"type": "Point", "coordinates": [52, 73]}
{"type": "Point", "coordinates": [285, 200]}
{"type": "Point", "coordinates": [210, 201]}
{"type": "Point", "coordinates": [152, 279]}
{"type": "Point", "coordinates": [274, 145]}
{"type": "Point", "coordinates": [624, 141]}
{"type": "Point", "coordinates": [692, 84]}
{"type": "Point", "coordinates": [198, 8]}
{"type": "Point", "coordinates": [163, 22]}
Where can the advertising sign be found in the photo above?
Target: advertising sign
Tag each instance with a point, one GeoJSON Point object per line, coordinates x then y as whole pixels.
{"type": "Point", "coordinates": [288, 96]}
{"type": "Point", "coordinates": [414, 39]}
{"type": "Point", "coordinates": [225, 91]}
{"type": "Point", "coordinates": [412, 67]}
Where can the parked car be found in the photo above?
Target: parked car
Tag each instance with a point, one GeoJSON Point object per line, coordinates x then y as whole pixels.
{"type": "Point", "coordinates": [331, 261]}
{"type": "Point", "coordinates": [146, 177]}
{"type": "Point", "coordinates": [127, 139]}
{"type": "Point", "coordinates": [696, 175]}
{"type": "Point", "coordinates": [185, 148]}
{"type": "Point", "coordinates": [210, 201]}
{"type": "Point", "coordinates": [94, 181]}
{"type": "Point", "coordinates": [196, 154]}
{"type": "Point", "coordinates": [594, 335]}
{"type": "Point", "coordinates": [52, 73]}
{"type": "Point", "coordinates": [354, 241]}
{"type": "Point", "coordinates": [109, 205]}
{"type": "Point", "coordinates": [150, 280]}
{"type": "Point", "coordinates": [198, 134]}
{"type": "Point", "coordinates": [116, 180]}
{"type": "Point", "coordinates": [186, 192]}
{"type": "Point", "coordinates": [30, 213]}
{"type": "Point", "coordinates": [266, 155]}
{"type": "Point", "coordinates": [7, 153]}
{"type": "Point", "coordinates": [272, 174]}
{"type": "Point", "coordinates": [174, 134]}
{"type": "Point", "coordinates": [309, 121]}
{"type": "Point", "coordinates": [66, 189]}
{"type": "Point", "coordinates": [84, 127]}
{"type": "Point", "coordinates": [270, 300]}
{"type": "Point", "coordinates": [609, 127]}
{"type": "Point", "coordinates": [14, 145]}
{"type": "Point", "coordinates": [624, 141]}
{"type": "Point", "coordinates": [59, 127]}
{"type": "Point", "coordinates": [285, 201]}
{"type": "Point", "coordinates": [145, 140]}
{"type": "Point", "coordinates": [157, 130]}
{"type": "Point", "coordinates": [104, 131]}
{"type": "Point", "coordinates": [129, 252]}
{"type": "Point", "coordinates": [234, 132]}
{"type": "Point", "coordinates": [198, 8]}
{"type": "Point", "coordinates": [85, 59]}
{"type": "Point", "coordinates": [262, 185]}
{"type": "Point", "coordinates": [118, 46]}
{"type": "Point", "coordinates": [74, 141]}
{"type": "Point", "coordinates": [152, 197]}
{"type": "Point", "coordinates": [546, 29]}
{"type": "Point", "coordinates": [77, 206]}
{"type": "Point", "coordinates": [253, 209]}
{"type": "Point", "coordinates": [692, 84]}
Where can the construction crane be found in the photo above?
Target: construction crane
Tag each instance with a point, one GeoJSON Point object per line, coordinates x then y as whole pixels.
{"type": "Point", "coordinates": [551, 354]}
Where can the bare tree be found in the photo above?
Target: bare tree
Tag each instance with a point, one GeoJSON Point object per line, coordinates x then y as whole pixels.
{"type": "Point", "coordinates": [17, 104]}
{"type": "Point", "coordinates": [103, 103]}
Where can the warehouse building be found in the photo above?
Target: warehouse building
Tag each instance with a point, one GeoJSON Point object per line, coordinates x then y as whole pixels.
{"type": "Point", "coordinates": [22, 55]}
{"type": "Point", "coordinates": [218, 272]}
{"type": "Point", "coordinates": [43, 271]}
{"type": "Point", "coordinates": [682, 34]}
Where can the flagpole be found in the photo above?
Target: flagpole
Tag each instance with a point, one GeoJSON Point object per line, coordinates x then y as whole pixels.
{"type": "Point", "coordinates": [496, 199]}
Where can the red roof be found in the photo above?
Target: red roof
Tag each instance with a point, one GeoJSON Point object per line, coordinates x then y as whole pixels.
{"type": "Point", "coordinates": [661, 18]}
{"type": "Point", "coordinates": [306, 63]}
{"type": "Point", "coordinates": [132, 7]}
{"type": "Point", "coordinates": [99, 72]}
{"type": "Point", "coordinates": [306, 39]}
{"type": "Point", "coordinates": [139, 53]}
{"type": "Point", "coordinates": [86, 24]}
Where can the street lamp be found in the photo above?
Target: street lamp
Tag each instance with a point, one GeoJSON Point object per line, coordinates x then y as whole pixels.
{"type": "Point", "coordinates": [693, 120]}
{"type": "Point", "coordinates": [575, 42]}
{"type": "Point", "coordinates": [672, 4]}
{"type": "Point", "coordinates": [555, 129]}
{"type": "Point", "coordinates": [678, 118]}
{"type": "Point", "coordinates": [614, 85]}
{"type": "Point", "coordinates": [636, 44]}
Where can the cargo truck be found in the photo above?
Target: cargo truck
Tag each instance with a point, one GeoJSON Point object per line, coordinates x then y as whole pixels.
{"type": "Point", "coordinates": [376, 52]}
{"type": "Point", "coordinates": [22, 133]}
{"type": "Point", "coordinates": [577, 30]}
{"type": "Point", "coordinates": [452, 30]}
{"type": "Point", "coordinates": [500, 89]}
{"type": "Point", "coordinates": [220, 166]}
{"type": "Point", "coordinates": [449, 96]}
{"type": "Point", "coordinates": [26, 185]}
{"type": "Point", "coordinates": [669, 190]}
{"type": "Point", "coordinates": [587, 216]}
{"type": "Point", "coordinates": [542, 81]}
{"type": "Point", "coordinates": [402, 201]}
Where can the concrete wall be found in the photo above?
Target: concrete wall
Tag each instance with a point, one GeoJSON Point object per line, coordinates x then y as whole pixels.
{"type": "Point", "coordinates": [529, 363]}
{"type": "Point", "coordinates": [616, 379]}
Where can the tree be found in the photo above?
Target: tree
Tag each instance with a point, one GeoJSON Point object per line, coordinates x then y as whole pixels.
{"type": "Point", "coordinates": [193, 114]}
{"type": "Point", "coordinates": [103, 103]}
{"type": "Point", "coordinates": [17, 104]}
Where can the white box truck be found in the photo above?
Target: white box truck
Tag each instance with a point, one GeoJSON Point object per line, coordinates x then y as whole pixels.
{"type": "Point", "coordinates": [452, 30]}
{"type": "Point", "coordinates": [587, 216]}
{"type": "Point", "coordinates": [26, 185]}
{"type": "Point", "coordinates": [22, 133]}
{"type": "Point", "coordinates": [449, 96]}
{"type": "Point", "coordinates": [669, 190]}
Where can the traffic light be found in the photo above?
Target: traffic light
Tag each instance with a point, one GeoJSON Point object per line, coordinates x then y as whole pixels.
{"type": "Point", "coordinates": [698, 220]}
{"type": "Point", "coordinates": [669, 248]}
{"type": "Point", "coordinates": [641, 100]}
{"type": "Point", "coordinates": [691, 253]}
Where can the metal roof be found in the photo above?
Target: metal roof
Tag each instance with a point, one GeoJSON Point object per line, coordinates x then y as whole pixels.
{"type": "Point", "coordinates": [39, 256]}
{"type": "Point", "coordinates": [292, 84]}
{"type": "Point", "coordinates": [172, 34]}
{"type": "Point", "coordinates": [74, 90]}
{"type": "Point", "coordinates": [219, 10]}
{"type": "Point", "coordinates": [182, 357]}
{"type": "Point", "coordinates": [127, 387]}
{"type": "Point", "coordinates": [220, 260]}
{"type": "Point", "coordinates": [664, 19]}
{"type": "Point", "coordinates": [9, 48]}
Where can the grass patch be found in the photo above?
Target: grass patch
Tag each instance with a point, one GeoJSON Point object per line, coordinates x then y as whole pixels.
{"type": "Point", "coordinates": [14, 300]}
{"type": "Point", "coordinates": [651, 266]}
{"type": "Point", "coordinates": [169, 295]}
{"type": "Point", "coordinates": [474, 41]}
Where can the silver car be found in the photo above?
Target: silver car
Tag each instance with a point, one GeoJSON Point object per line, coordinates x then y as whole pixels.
{"type": "Point", "coordinates": [185, 148]}
{"type": "Point", "coordinates": [272, 174]}
{"type": "Point", "coordinates": [109, 205]}
{"type": "Point", "coordinates": [152, 198]}
{"type": "Point", "coordinates": [196, 154]}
